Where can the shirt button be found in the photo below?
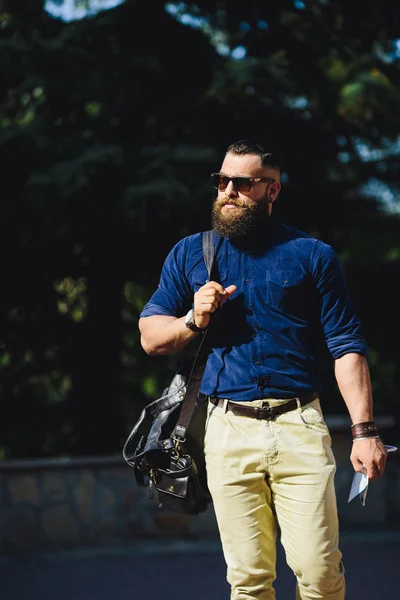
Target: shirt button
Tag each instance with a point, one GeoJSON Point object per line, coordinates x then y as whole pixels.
{"type": "Point", "coordinates": [246, 280]}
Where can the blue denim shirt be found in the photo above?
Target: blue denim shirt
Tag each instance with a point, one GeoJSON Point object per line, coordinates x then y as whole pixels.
{"type": "Point", "coordinates": [291, 294]}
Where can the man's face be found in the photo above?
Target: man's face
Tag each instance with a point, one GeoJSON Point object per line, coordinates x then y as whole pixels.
{"type": "Point", "coordinates": [237, 213]}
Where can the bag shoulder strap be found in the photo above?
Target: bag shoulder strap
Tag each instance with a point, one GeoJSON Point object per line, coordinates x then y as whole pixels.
{"type": "Point", "coordinates": [208, 250]}
{"type": "Point", "coordinates": [200, 360]}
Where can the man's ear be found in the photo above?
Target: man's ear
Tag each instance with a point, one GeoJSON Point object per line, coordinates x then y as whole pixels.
{"type": "Point", "coordinates": [274, 191]}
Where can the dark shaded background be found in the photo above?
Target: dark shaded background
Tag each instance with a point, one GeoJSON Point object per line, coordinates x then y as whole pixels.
{"type": "Point", "coordinates": [110, 127]}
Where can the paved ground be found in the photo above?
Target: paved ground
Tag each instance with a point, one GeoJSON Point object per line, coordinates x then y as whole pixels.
{"type": "Point", "coordinates": [148, 571]}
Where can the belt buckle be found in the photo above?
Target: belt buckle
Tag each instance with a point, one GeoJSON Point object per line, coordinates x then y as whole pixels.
{"type": "Point", "coordinates": [265, 409]}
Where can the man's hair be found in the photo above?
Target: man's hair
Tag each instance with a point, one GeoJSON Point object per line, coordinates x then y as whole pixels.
{"type": "Point", "coordinates": [262, 147]}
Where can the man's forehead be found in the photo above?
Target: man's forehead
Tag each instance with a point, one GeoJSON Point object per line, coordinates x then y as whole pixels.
{"type": "Point", "coordinates": [246, 165]}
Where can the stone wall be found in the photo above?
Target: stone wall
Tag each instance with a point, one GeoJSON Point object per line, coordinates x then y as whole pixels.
{"type": "Point", "coordinates": [60, 504]}
{"type": "Point", "coordinates": [49, 504]}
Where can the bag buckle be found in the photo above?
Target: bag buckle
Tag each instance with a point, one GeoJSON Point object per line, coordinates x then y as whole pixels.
{"type": "Point", "coordinates": [178, 441]}
{"type": "Point", "coordinates": [176, 452]}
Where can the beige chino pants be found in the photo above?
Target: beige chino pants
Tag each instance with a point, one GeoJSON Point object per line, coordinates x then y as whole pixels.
{"type": "Point", "coordinates": [270, 476]}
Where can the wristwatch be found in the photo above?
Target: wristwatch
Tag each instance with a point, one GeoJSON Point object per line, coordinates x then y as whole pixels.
{"type": "Point", "coordinates": [190, 322]}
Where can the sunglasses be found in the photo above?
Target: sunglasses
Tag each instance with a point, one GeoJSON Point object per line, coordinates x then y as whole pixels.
{"type": "Point", "coordinates": [240, 184]}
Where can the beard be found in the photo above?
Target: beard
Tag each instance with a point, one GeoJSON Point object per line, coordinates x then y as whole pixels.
{"type": "Point", "coordinates": [248, 221]}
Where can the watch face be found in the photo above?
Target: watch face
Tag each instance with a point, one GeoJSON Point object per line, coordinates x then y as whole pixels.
{"type": "Point", "coordinates": [190, 322]}
{"type": "Point", "coordinates": [189, 318]}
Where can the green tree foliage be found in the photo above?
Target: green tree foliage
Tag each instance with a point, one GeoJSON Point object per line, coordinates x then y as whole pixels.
{"type": "Point", "coordinates": [110, 127]}
{"type": "Point", "coordinates": [322, 77]}
{"type": "Point", "coordinates": [95, 149]}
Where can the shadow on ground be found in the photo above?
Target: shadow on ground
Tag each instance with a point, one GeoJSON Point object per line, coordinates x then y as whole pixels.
{"type": "Point", "coordinates": [178, 570]}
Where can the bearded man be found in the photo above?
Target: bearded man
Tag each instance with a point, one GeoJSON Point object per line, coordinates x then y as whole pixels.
{"type": "Point", "coordinates": [270, 466]}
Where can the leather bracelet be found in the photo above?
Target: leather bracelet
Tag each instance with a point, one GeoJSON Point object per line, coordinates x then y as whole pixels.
{"type": "Point", "coordinates": [366, 435]}
{"type": "Point", "coordinates": [363, 423]}
{"type": "Point", "coordinates": [365, 429]}
{"type": "Point", "coordinates": [369, 437]}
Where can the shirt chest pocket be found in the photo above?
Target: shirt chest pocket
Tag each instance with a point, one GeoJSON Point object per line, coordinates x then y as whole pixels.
{"type": "Point", "coordinates": [287, 291]}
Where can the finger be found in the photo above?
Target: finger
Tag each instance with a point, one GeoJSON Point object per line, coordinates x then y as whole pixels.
{"type": "Point", "coordinates": [211, 293]}
{"type": "Point", "coordinates": [231, 289]}
{"type": "Point", "coordinates": [217, 299]}
{"type": "Point", "coordinates": [376, 470]}
{"type": "Point", "coordinates": [358, 466]}
{"type": "Point", "coordinates": [214, 285]}
{"type": "Point", "coordinates": [373, 473]}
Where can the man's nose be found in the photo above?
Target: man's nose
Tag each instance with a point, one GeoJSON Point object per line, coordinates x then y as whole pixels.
{"type": "Point", "coordinates": [230, 190]}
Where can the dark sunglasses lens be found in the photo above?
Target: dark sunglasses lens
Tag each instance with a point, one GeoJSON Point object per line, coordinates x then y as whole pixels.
{"type": "Point", "coordinates": [242, 184]}
{"type": "Point", "coordinates": [219, 182]}
{"type": "Point", "coordinates": [216, 179]}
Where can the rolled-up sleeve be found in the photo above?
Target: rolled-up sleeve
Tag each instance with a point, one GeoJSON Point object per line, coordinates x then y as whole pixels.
{"type": "Point", "coordinates": [340, 323]}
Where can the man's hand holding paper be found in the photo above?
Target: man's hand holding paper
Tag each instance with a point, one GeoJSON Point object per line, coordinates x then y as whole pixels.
{"type": "Point", "coordinates": [369, 454]}
{"type": "Point", "coordinates": [359, 485]}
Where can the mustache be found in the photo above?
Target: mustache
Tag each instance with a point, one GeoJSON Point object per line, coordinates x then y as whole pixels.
{"type": "Point", "coordinates": [232, 201]}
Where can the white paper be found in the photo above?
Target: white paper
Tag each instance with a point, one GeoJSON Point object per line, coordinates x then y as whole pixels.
{"type": "Point", "coordinates": [391, 448]}
{"type": "Point", "coordinates": [359, 485]}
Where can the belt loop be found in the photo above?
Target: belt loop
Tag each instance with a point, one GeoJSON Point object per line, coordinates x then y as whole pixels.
{"type": "Point", "coordinates": [225, 404]}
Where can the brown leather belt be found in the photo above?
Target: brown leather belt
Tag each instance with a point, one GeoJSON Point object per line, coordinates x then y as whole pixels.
{"type": "Point", "coordinates": [266, 411]}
